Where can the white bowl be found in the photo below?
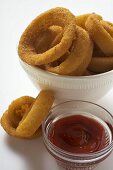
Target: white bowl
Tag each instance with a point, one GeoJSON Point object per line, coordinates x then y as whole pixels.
{"type": "Point", "coordinates": [70, 87]}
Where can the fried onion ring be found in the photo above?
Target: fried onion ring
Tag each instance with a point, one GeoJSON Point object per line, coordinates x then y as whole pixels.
{"type": "Point", "coordinates": [108, 26]}
{"type": "Point", "coordinates": [101, 64]}
{"type": "Point", "coordinates": [99, 34]}
{"type": "Point", "coordinates": [56, 16]}
{"type": "Point", "coordinates": [78, 57]}
{"type": "Point", "coordinates": [46, 38]}
{"type": "Point", "coordinates": [81, 19]}
{"type": "Point", "coordinates": [24, 116]}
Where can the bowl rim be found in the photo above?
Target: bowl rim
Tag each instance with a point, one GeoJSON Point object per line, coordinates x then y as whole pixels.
{"type": "Point", "coordinates": [64, 77]}
{"type": "Point", "coordinates": [89, 155]}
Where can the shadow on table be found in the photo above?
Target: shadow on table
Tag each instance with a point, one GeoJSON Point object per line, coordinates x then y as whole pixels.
{"type": "Point", "coordinates": [32, 151]}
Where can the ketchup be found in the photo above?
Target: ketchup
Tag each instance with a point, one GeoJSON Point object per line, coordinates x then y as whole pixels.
{"type": "Point", "coordinates": [78, 134]}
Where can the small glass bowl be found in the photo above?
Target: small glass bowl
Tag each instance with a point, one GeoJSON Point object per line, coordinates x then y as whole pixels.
{"type": "Point", "coordinates": [73, 161]}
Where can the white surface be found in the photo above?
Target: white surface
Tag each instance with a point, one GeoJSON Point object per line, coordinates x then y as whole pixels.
{"type": "Point", "coordinates": [15, 15]}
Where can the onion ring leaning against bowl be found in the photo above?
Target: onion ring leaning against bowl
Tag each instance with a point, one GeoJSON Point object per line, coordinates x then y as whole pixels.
{"type": "Point", "coordinates": [99, 34]}
{"type": "Point", "coordinates": [24, 116]}
{"type": "Point", "coordinates": [56, 16]}
{"type": "Point", "coordinates": [78, 57]}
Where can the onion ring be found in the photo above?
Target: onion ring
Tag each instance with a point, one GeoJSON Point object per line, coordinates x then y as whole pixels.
{"type": "Point", "coordinates": [99, 34]}
{"type": "Point", "coordinates": [56, 16]}
{"type": "Point", "coordinates": [11, 130]}
{"type": "Point", "coordinates": [101, 64]}
{"type": "Point", "coordinates": [46, 38]}
{"type": "Point", "coordinates": [79, 57]}
{"type": "Point", "coordinates": [81, 19]}
{"type": "Point", "coordinates": [18, 108]}
{"type": "Point", "coordinates": [108, 26]}
{"type": "Point", "coordinates": [24, 116]}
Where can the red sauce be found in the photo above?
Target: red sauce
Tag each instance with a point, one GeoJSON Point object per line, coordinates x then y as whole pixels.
{"type": "Point", "coordinates": [78, 134]}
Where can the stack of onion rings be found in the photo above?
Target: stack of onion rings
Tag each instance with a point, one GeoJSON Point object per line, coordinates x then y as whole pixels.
{"type": "Point", "coordinates": [24, 116]}
{"type": "Point", "coordinates": [99, 34]}
{"type": "Point", "coordinates": [79, 56]}
{"type": "Point", "coordinates": [71, 47]}
{"type": "Point", "coordinates": [59, 42]}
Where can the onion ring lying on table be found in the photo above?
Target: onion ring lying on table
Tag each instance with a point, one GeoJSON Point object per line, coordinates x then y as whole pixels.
{"type": "Point", "coordinates": [24, 116]}
{"type": "Point", "coordinates": [78, 57]}
{"type": "Point", "coordinates": [57, 16]}
{"type": "Point", "coordinates": [99, 34]}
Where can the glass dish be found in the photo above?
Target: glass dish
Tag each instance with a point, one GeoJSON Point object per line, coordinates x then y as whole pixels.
{"type": "Point", "coordinates": [73, 161]}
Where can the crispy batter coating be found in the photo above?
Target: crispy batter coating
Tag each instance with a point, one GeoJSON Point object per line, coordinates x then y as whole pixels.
{"type": "Point", "coordinates": [24, 116]}
{"type": "Point", "coordinates": [10, 128]}
{"type": "Point", "coordinates": [46, 38]}
{"type": "Point", "coordinates": [99, 34]}
{"type": "Point", "coordinates": [56, 16]}
{"type": "Point", "coordinates": [78, 57]}
{"type": "Point", "coordinates": [108, 26]}
{"type": "Point", "coordinates": [36, 115]}
{"type": "Point", "coordinates": [18, 108]}
{"type": "Point", "coordinates": [100, 62]}
{"type": "Point", "coordinates": [81, 19]}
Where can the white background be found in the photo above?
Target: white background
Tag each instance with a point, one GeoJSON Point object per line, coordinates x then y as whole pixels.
{"type": "Point", "coordinates": [15, 15]}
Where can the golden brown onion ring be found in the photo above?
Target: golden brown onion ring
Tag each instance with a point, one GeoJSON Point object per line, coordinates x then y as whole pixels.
{"type": "Point", "coordinates": [101, 64]}
{"type": "Point", "coordinates": [10, 128]}
{"type": "Point", "coordinates": [81, 19]}
{"type": "Point", "coordinates": [108, 27]}
{"type": "Point", "coordinates": [46, 38]}
{"type": "Point", "coordinates": [24, 116]}
{"type": "Point", "coordinates": [58, 37]}
{"type": "Point", "coordinates": [99, 34]}
{"type": "Point", "coordinates": [18, 108]}
{"type": "Point", "coordinates": [56, 16]}
{"type": "Point", "coordinates": [79, 56]}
